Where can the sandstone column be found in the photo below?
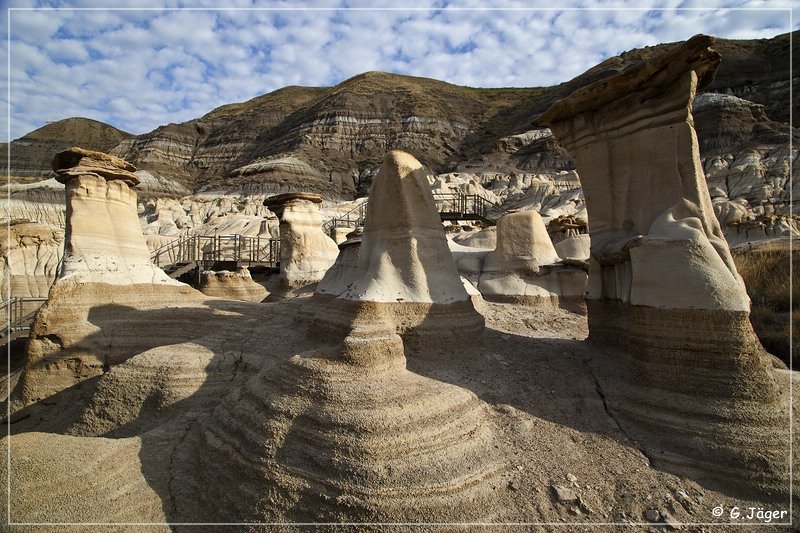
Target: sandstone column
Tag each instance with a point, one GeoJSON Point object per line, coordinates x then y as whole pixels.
{"type": "Point", "coordinates": [695, 385]}
{"type": "Point", "coordinates": [406, 278]}
{"type": "Point", "coordinates": [306, 252]}
{"type": "Point", "coordinates": [105, 273]}
{"type": "Point", "coordinates": [348, 415]}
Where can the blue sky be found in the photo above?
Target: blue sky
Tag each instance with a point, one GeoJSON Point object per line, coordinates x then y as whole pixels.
{"type": "Point", "coordinates": [140, 69]}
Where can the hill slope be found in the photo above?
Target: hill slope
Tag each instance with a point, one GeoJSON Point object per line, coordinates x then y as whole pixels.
{"type": "Point", "coordinates": [330, 139]}
{"type": "Point", "coordinates": [32, 153]}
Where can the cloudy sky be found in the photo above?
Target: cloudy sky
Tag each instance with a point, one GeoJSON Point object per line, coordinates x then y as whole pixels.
{"type": "Point", "coordinates": [139, 68]}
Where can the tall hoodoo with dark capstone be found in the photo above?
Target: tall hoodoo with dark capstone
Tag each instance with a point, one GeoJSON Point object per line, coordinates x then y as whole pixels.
{"type": "Point", "coordinates": [106, 264]}
{"type": "Point", "coordinates": [695, 384]}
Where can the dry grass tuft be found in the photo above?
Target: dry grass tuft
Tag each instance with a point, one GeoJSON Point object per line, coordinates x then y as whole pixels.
{"type": "Point", "coordinates": [766, 274]}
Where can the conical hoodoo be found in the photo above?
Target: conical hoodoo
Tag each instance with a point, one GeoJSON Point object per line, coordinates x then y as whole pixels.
{"type": "Point", "coordinates": [688, 377]}
{"type": "Point", "coordinates": [406, 275]}
{"type": "Point", "coordinates": [346, 433]}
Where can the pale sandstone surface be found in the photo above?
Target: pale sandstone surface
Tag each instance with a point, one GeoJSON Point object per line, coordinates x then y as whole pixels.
{"type": "Point", "coordinates": [407, 280]}
{"type": "Point", "coordinates": [344, 271]}
{"type": "Point", "coordinates": [690, 377]}
{"type": "Point", "coordinates": [32, 255]}
{"type": "Point", "coordinates": [525, 266]}
{"type": "Point", "coordinates": [574, 248]}
{"type": "Point", "coordinates": [404, 254]}
{"type": "Point", "coordinates": [238, 285]}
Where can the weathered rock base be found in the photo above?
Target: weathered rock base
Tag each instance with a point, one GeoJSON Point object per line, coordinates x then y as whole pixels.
{"type": "Point", "coordinates": [428, 328]}
{"type": "Point", "coordinates": [86, 328]}
{"type": "Point", "coordinates": [238, 285]}
{"type": "Point", "coordinates": [318, 436]}
{"type": "Point", "coordinates": [697, 391]}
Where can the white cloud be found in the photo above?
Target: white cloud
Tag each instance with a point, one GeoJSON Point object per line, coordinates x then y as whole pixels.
{"type": "Point", "coordinates": [140, 69]}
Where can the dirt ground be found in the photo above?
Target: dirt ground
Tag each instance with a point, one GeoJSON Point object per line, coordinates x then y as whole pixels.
{"type": "Point", "coordinates": [569, 462]}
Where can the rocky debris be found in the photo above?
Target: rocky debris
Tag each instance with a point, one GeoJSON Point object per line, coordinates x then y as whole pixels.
{"type": "Point", "coordinates": [238, 285]}
{"type": "Point", "coordinates": [564, 494]}
{"type": "Point", "coordinates": [563, 227]}
{"type": "Point", "coordinates": [659, 223]}
{"type": "Point", "coordinates": [652, 515]}
{"type": "Point", "coordinates": [306, 252]}
{"type": "Point", "coordinates": [524, 267]}
{"type": "Point", "coordinates": [105, 263]}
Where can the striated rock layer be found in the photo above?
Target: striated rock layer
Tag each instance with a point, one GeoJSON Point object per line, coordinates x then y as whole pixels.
{"type": "Point", "coordinates": [694, 384]}
{"type": "Point", "coordinates": [106, 267]}
{"type": "Point", "coordinates": [345, 432]}
{"type": "Point", "coordinates": [319, 436]}
{"type": "Point", "coordinates": [237, 285]}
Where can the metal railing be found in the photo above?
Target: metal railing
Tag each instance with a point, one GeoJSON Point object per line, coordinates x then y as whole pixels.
{"type": "Point", "coordinates": [458, 204]}
{"type": "Point", "coordinates": [352, 219]}
{"type": "Point", "coordinates": [210, 249]}
{"type": "Point", "coordinates": [19, 313]}
{"type": "Point", "coordinates": [450, 205]}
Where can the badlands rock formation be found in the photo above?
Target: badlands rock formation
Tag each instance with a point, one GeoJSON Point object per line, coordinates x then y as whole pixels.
{"type": "Point", "coordinates": [406, 274]}
{"type": "Point", "coordinates": [692, 382]}
{"type": "Point", "coordinates": [32, 255]}
{"type": "Point", "coordinates": [238, 285]}
{"type": "Point", "coordinates": [106, 262]}
{"type": "Point", "coordinates": [342, 412]}
{"type": "Point", "coordinates": [525, 267]}
{"type": "Point", "coordinates": [344, 272]}
{"type": "Point", "coordinates": [306, 252]}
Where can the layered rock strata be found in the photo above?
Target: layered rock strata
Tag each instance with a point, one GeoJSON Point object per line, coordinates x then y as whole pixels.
{"type": "Point", "coordinates": [306, 252]}
{"type": "Point", "coordinates": [524, 266]}
{"type": "Point", "coordinates": [694, 385]}
{"type": "Point", "coordinates": [106, 267]}
{"type": "Point", "coordinates": [238, 285]}
{"type": "Point", "coordinates": [345, 432]}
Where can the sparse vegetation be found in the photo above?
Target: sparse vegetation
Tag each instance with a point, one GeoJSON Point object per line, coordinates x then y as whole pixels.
{"type": "Point", "coordinates": [766, 273]}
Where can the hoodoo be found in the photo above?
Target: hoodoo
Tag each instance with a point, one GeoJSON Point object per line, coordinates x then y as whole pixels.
{"type": "Point", "coordinates": [406, 276]}
{"type": "Point", "coordinates": [524, 266]}
{"type": "Point", "coordinates": [695, 385]}
{"type": "Point", "coordinates": [345, 432]}
{"type": "Point", "coordinates": [106, 263]}
{"type": "Point", "coordinates": [306, 252]}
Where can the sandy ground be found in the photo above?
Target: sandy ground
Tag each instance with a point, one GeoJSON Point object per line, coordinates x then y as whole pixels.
{"type": "Point", "coordinates": [569, 463]}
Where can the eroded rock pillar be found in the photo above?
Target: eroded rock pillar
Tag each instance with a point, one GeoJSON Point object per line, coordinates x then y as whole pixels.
{"type": "Point", "coordinates": [306, 252]}
{"type": "Point", "coordinates": [693, 383]}
{"type": "Point", "coordinates": [524, 266]}
{"type": "Point", "coordinates": [406, 279]}
{"type": "Point", "coordinates": [106, 277]}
